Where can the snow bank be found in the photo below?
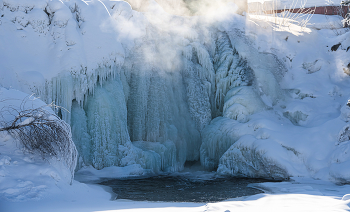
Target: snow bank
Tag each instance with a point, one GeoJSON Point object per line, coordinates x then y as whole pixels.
{"type": "Point", "coordinates": [301, 195]}
{"type": "Point", "coordinates": [25, 174]}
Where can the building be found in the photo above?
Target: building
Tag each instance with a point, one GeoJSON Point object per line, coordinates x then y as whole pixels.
{"type": "Point", "coordinates": [297, 6]}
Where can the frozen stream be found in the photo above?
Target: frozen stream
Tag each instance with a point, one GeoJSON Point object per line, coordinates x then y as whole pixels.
{"type": "Point", "coordinates": [182, 188]}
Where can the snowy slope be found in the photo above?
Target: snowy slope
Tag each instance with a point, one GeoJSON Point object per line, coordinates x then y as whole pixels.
{"type": "Point", "coordinates": [315, 96]}
{"type": "Point", "coordinates": [24, 175]}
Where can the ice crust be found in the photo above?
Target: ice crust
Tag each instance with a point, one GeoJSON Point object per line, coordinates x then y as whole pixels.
{"type": "Point", "coordinates": [157, 90]}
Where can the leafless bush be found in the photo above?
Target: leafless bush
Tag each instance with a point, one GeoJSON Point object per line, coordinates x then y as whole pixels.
{"type": "Point", "coordinates": [40, 132]}
{"type": "Point", "coordinates": [296, 14]}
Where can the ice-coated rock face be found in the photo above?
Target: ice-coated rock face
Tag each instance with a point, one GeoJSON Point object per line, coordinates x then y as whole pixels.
{"type": "Point", "coordinates": [216, 139]}
{"type": "Point", "coordinates": [249, 158]}
{"type": "Point", "coordinates": [231, 71]}
{"type": "Point", "coordinates": [240, 102]}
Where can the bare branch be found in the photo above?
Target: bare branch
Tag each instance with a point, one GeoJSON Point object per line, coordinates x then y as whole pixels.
{"type": "Point", "coordinates": [41, 132]}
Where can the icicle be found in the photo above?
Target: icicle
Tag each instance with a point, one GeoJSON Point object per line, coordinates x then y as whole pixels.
{"type": "Point", "coordinates": [106, 118]}
{"type": "Point", "coordinates": [231, 71]}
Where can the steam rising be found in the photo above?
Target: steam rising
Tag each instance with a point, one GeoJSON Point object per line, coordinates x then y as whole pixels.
{"type": "Point", "coordinates": [168, 81]}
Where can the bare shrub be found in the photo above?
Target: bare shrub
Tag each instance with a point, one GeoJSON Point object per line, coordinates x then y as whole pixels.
{"type": "Point", "coordinates": [40, 132]}
{"type": "Point", "coordinates": [296, 14]}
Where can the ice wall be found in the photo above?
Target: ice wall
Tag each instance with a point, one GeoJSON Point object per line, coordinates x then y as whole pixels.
{"type": "Point", "coordinates": [171, 87]}
{"type": "Point", "coordinates": [106, 123]}
{"type": "Point", "coordinates": [135, 87]}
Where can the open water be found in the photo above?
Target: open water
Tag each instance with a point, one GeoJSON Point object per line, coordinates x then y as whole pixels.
{"type": "Point", "coordinates": [182, 188]}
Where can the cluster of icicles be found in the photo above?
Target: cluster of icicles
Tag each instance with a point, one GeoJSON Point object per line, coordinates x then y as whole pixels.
{"type": "Point", "coordinates": [154, 115]}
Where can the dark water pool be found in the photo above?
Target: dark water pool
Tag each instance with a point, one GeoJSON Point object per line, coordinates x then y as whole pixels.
{"type": "Point", "coordinates": [182, 188]}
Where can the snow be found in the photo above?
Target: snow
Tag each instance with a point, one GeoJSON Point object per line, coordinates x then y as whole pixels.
{"type": "Point", "coordinates": [25, 175]}
{"type": "Point", "coordinates": [305, 123]}
{"type": "Point", "coordinates": [147, 91]}
{"type": "Point", "coordinates": [301, 195]}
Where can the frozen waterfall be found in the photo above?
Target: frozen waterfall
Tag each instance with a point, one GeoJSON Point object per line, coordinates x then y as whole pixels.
{"type": "Point", "coordinates": [155, 110]}
{"type": "Point", "coordinates": [158, 90]}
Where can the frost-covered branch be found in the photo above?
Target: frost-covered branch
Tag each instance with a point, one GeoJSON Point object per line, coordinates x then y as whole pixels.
{"type": "Point", "coordinates": [40, 132]}
{"type": "Point", "coordinates": [297, 14]}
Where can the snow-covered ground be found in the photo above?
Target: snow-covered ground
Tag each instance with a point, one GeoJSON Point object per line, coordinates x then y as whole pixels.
{"type": "Point", "coordinates": [147, 91]}
{"type": "Point", "coordinates": [302, 195]}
